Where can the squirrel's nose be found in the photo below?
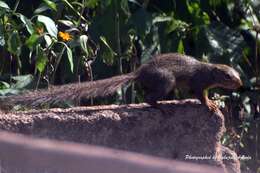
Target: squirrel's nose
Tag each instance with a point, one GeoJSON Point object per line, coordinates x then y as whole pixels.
{"type": "Point", "coordinates": [238, 82]}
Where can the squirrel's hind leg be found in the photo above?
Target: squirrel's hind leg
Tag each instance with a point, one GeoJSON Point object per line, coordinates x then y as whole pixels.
{"type": "Point", "coordinates": [157, 84]}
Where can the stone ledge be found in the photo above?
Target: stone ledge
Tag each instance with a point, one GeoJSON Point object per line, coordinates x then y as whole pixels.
{"type": "Point", "coordinates": [173, 130]}
{"type": "Point", "coordinates": [26, 155]}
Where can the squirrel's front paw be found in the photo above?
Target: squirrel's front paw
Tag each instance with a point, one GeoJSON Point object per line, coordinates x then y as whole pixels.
{"type": "Point", "coordinates": [211, 105]}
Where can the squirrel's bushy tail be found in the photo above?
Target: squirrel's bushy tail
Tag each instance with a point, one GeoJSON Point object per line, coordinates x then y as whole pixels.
{"type": "Point", "coordinates": [99, 88]}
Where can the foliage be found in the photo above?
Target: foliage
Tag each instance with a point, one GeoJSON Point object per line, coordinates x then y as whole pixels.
{"type": "Point", "coordinates": [63, 41]}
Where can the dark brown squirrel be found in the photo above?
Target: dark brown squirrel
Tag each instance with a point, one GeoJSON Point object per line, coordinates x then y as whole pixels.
{"type": "Point", "coordinates": [158, 77]}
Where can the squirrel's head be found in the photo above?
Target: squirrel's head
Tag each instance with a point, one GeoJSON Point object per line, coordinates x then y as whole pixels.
{"type": "Point", "coordinates": [226, 77]}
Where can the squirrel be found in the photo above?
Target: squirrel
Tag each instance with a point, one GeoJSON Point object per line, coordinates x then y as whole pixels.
{"type": "Point", "coordinates": [158, 77]}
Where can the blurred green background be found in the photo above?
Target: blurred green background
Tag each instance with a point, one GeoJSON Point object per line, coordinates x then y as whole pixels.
{"type": "Point", "coordinates": [45, 43]}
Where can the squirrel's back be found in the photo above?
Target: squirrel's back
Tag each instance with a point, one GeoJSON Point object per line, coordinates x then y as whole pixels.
{"type": "Point", "coordinates": [177, 63]}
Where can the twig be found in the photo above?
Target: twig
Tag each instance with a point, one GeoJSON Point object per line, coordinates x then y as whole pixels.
{"type": "Point", "coordinates": [119, 53]}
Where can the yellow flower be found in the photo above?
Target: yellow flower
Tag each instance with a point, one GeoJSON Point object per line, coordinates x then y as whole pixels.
{"type": "Point", "coordinates": [40, 30]}
{"type": "Point", "coordinates": [65, 36]}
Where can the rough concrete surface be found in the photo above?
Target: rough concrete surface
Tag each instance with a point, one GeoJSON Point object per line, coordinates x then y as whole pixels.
{"type": "Point", "coordinates": [23, 154]}
{"type": "Point", "coordinates": [182, 130]}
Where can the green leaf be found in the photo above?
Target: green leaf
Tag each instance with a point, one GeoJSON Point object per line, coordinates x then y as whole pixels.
{"type": "Point", "coordinates": [125, 7]}
{"type": "Point", "coordinates": [215, 3]}
{"type": "Point", "coordinates": [49, 24]}
{"type": "Point", "coordinates": [14, 43]}
{"type": "Point", "coordinates": [27, 23]}
{"type": "Point", "coordinates": [135, 2]}
{"type": "Point", "coordinates": [41, 9]}
{"type": "Point", "coordinates": [107, 52]}
{"type": "Point", "coordinates": [159, 19]}
{"type": "Point", "coordinates": [193, 7]}
{"type": "Point", "coordinates": [4, 5]}
{"type": "Point", "coordinates": [176, 24]}
{"type": "Point", "coordinates": [69, 55]}
{"type": "Point", "coordinates": [104, 41]}
{"type": "Point", "coordinates": [180, 47]}
{"type": "Point", "coordinates": [32, 40]}
{"type": "Point", "coordinates": [48, 40]}
{"type": "Point", "coordinates": [206, 18]}
{"type": "Point", "coordinates": [41, 60]}
{"type": "Point", "coordinates": [22, 81]}
{"type": "Point", "coordinates": [4, 85]}
{"type": "Point", "coordinates": [51, 4]}
{"type": "Point", "coordinates": [107, 55]}
{"type": "Point", "coordinates": [70, 58]}
{"type": "Point", "coordinates": [83, 43]}
{"type": "Point", "coordinates": [246, 24]}
{"type": "Point", "coordinates": [91, 3]}
{"type": "Point", "coordinates": [67, 23]}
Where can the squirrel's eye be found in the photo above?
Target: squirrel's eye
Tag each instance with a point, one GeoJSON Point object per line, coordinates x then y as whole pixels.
{"type": "Point", "coordinates": [227, 77]}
